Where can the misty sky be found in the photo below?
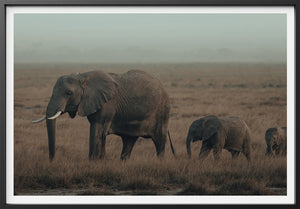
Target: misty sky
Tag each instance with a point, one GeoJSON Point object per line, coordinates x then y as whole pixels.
{"type": "Point", "coordinates": [149, 38]}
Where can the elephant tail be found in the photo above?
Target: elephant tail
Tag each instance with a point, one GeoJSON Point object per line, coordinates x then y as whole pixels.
{"type": "Point", "coordinates": [172, 148]}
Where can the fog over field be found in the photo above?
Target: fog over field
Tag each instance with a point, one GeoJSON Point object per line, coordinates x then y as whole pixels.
{"type": "Point", "coordinates": [150, 38]}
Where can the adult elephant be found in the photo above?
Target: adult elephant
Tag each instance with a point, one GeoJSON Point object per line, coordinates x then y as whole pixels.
{"type": "Point", "coordinates": [229, 133]}
{"type": "Point", "coordinates": [131, 105]}
{"type": "Point", "coordinates": [276, 138]}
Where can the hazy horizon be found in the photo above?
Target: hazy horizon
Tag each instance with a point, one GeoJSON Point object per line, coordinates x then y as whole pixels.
{"type": "Point", "coordinates": [150, 38]}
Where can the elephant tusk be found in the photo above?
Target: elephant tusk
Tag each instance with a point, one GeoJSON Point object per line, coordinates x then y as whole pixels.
{"type": "Point", "coordinates": [55, 116]}
{"type": "Point", "coordinates": [39, 120]}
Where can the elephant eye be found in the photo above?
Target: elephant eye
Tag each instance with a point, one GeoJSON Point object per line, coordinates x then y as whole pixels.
{"type": "Point", "coordinates": [69, 93]}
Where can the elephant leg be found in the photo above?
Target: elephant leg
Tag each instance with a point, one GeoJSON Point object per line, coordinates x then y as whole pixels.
{"type": "Point", "coordinates": [160, 142]}
{"type": "Point", "coordinates": [97, 141]}
{"type": "Point", "coordinates": [205, 150]}
{"type": "Point", "coordinates": [268, 150]}
{"type": "Point", "coordinates": [102, 144]}
{"type": "Point", "coordinates": [248, 156]}
{"type": "Point", "coordinates": [217, 152]}
{"type": "Point", "coordinates": [93, 148]}
{"type": "Point", "coordinates": [279, 149]}
{"type": "Point", "coordinates": [128, 143]}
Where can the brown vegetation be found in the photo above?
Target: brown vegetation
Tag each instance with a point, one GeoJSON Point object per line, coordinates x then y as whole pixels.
{"type": "Point", "coordinates": [254, 92]}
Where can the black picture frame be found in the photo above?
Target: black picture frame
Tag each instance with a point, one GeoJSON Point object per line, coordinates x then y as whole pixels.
{"type": "Point", "coordinates": [175, 3]}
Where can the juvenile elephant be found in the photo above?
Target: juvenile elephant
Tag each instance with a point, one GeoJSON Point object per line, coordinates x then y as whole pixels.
{"type": "Point", "coordinates": [131, 105]}
{"type": "Point", "coordinates": [276, 141]}
{"type": "Point", "coordinates": [229, 133]}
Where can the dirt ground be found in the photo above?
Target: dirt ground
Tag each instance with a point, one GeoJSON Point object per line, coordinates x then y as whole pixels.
{"type": "Point", "coordinates": [257, 93]}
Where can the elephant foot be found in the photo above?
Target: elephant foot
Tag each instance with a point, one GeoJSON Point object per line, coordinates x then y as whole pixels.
{"type": "Point", "coordinates": [124, 158]}
{"type": "Point", "coordinates": [96, 156]}
{"type": "Point", "coordinates": [160, 154]}
{"type": "Point", "coordinates": [101, 157]}
{"type": "Point", "coordinates": [91, 157]}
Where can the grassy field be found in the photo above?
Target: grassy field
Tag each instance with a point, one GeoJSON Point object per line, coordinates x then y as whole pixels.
{"type": "Point", "coordinates": [254, 92]}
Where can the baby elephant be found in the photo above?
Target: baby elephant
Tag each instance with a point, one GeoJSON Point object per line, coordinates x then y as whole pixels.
{"type": "Point", "coordinates": [276, 141]}
{"type": "Point", "coordinates": [230, 133]}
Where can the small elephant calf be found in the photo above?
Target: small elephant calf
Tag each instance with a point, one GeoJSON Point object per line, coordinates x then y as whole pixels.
{"type": "Point", "coordinates": [230, 133]}
{"type": "Point", "coordinates": [276, 141]}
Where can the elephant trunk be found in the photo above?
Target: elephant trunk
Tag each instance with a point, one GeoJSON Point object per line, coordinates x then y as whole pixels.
{"type": "Point", "coordinates": [188, 145]}
{"type": "Point", "coordinates": [51, 125]}
{"type": "Point", "coordinates": [51, 115]}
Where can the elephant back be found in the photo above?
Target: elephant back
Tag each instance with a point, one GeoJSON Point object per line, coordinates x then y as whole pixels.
{"type": "Point", "coordinates": [142, 95]}
{"type": "Point", "coordinates": [141, 85]}
{"type": "Point", "coordinates": [142, 82]}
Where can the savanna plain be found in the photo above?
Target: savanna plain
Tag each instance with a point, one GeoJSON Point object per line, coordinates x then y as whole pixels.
{"type": "Point", "coordinates": [257, 93]}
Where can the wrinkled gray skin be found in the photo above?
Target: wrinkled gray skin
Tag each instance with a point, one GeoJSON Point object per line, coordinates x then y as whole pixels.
{"type": "Point", "coordinates": [229, 133]}
{"type": "Point", "coordinates": [276, 141]}
{"type": "Point", "coordinates": [130, 105]}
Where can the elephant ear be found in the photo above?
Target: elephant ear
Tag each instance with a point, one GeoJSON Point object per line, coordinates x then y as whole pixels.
{"type": "Point", "coordinates": [210, 128]}
{"type": "Point", "coordinates": [98, 88]}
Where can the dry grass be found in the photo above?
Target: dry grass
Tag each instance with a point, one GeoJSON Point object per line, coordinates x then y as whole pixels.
{"type": "Point", "coordinates": [254, 92]}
